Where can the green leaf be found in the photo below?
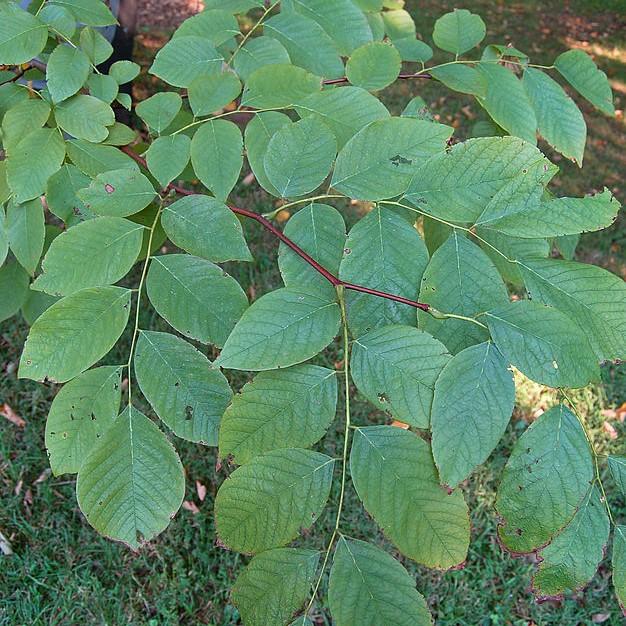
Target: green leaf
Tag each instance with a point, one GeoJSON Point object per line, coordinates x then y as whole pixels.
{"type": "Point", "coordinates": [95, 45]}
{"type": "Point", "coordinates": [617, 466]}
{"type": "Point", "coordinates": [13, 289]}
{"type": "Point", "coordinates": [85, 117]}
{"type": "Point", "coordinates": [196, 297]}
{"type": "Point", "coordinates": [398, 24]}
{"type": "Point", "coordinates": [120, 135]}
{"type": "Point", "coordinates": [559, 120]}
{"type": "Point", "coordinates": [412, 49]}
{"type": "Point", "coordinates": [132, 483]}
{"type": "Point", "coordinates": [216, 26]}
{"type": "Point", "coordinates": [374, 66]}
{"type": "Point", "coordinates": [159, 110]}
{"type": "Point", "coordinates": [259, 130]}
{"type": "Point", "coordinates": [26, 230]}
{"type": "Point", "coordinates": [274, 585]}
{"type": "Point", "coordinates": [368, 586]}
{"type": "Point", "coordinates": [4, 238]}
{"type": "Point", "coordinates": [395, 368]}
{"type": "Point", "coordinates": [566, 245]}
{"type": "Point", "coordinates": [395, 477]}
{"type": "Point", "coordinates": [118, 193]}
{"type": "Point", "coordinates": [320, 231]}
{"type": "Point", "coordinates": [80, 413]}
{"type": "Point", "coordinates": [206, 228]}
{"type": "Point", "coordinates": [217, 156]}
{"type": "Point", "coordinates": [531, 218]}
{"type": "Point", "coordinates": [36, 303]}
{"type": "Point", "coordinates": [124, 71]}
{"type": "Point", "coordinates": [94, 253]}
{"type": "Point", "coordinates": [579, 70]}
{"type": "Point", "coordinates": [284, 408]}
{"type": "Point", "coordinates": [383, 251]}
{"type": "Point", "coordinates": [299, 157]}
{"type": "Point", "coordinates": [594, 298]}
{"type": "Point", "coordinates": [334, 17]}
{"type": "Point", "coordinates": [307, 44]}
{"type": "Point", "coordinates": [167, 157]}
{"type": "Point", "coordinates": [22, 119]}
{"type": "Point", "coordinates": [58, 18]}
{"type": "Point", "coordinates": [544, 481]}
{"type": "Point", "coordinates": [279, 86]}
{"type": "Point", "coordinates": [32, 161]}
{"type": "Point", "coordinates": [618, 564]}
{"type": "Point", "coordinates": [74, 333]}
{"type": "Point", "coordinates": [234, 6]}
{"type": "Point", "coordinates": [61, 194]}
{"type": "Point", "coordinates": [570, 561]}
{"type": "Point", "coordinates": [379, 161]}
{"type": "Point", "coordinates": [261, 505]}
{"type": "Point", "coordinates": [208, 94]}
{"type": "Point", "coordinates": [282, 328]}
{"type": "Point", "coordinates": [182, 387]}
{"type": "Point", "coordinates": [93, 159]}
{"type": "Point", "coordinates": [543, 343]}
{"type": "Point", "coordinates": [66, 72]}
{"type": "Point", "coordinates": [90, 12]}
{"type": "Point", "coordinates": [103, 88]}
{"type": "Point", "coordinates": [506, 101]}
{"type": "Point", "coordinates": [459, 31]}
{"type": "Point", "coordinates": [474, 398]}
{"type": "Point", "coordinates": [416, 107]}
{"type": "Point", "coordinates": [461, 279]}
{"type": "Point", "coordinates": [22, 35]}
{"type": "Point", "coordinates": [258, 52]}
{"type": "Point", "coordinates": [345, 111]}
{"type": "Point", "coordinates": [458, 184]}
{"type": "Point", "coordinates": [461, 78]}
{"type": "Point", "coordinates": [183, 59]}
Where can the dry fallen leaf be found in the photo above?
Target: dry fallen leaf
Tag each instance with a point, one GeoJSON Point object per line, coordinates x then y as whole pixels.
{"type": "Point", "coordinates": [610, 430]}
{"type": "Point", "coordinates": [201, 490]}
{"type": "Point", "coordinates": [399, 424]}
{"type": "Point", "coordinates": [12, 416]}
{"type": "Point", "coordinates": [191, 506]}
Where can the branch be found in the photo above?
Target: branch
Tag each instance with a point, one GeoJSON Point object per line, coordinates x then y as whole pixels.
{"type": "Point", "coordinates": [329, 276]}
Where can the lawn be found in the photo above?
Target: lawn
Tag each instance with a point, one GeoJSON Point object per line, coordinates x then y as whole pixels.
{"type": "Point", "coordinates": [62, 572]}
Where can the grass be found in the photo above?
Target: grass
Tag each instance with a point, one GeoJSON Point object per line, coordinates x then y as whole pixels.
{"type": "Point", "coordinates": [62, 572]}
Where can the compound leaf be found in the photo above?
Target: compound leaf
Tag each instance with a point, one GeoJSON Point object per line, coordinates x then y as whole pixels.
{"type": "Point", "coordinates": [579, 70]}
{"type": "Point", "coordinates": [274, 585]}
{"type": "Point", "coordinates": [195, 296]}
{"type": "Point", "coordinates": [178, 381]}
{"type": "Point", "coordinates": [217, 156]}
{"type": "Point", "coordinates": [74, 333]}
{"type": "Point", "coordinates": [395, 368]}
{"type": "Point", "coordinates": [80, 414]}
{"type": "Point", "coordinates": [543, 343]}
{"type": "Point", "coordinates": [282, 328]}
{"type": "Point", "coordinates": [299, 157]}
{"type": "Point", "coordinates": [573, 556]}
{"type": "Point", "coordinates": [544, 481]}
{"type": "Point", "coordinates": [473, 401]}
{"type": "Point", "coordinates": [97, 252]}
{"type": "Point", "coordinates": [592, 297]}
{"type": "Point", "coordinates": [379, 161]}
{"type": "Point", "coordinates": [368, 587]}
{"type": "Point", "coordinates": [206, 228]}
{"type": "Point", "coordinates": [265, 503]}
{"type": "Point", "coordinates": [395, 477]}
{"type": "Point", "coordinates": [132, 483]}
{"type": "Point", "coordinates": [461, 279]}
{"type": "Point", "coordinates": [290, 407]}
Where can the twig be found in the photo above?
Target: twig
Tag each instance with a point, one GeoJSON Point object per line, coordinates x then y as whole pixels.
{"type": "Point", "coordinates": [344, 79]}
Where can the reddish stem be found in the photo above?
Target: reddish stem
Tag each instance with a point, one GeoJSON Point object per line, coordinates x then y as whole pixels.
{"type": "Point", "coordinates": [329, 276]}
